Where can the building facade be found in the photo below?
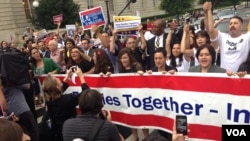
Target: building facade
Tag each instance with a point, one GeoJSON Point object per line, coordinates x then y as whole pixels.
{"type": "Point", "coordinates": [15, 14]}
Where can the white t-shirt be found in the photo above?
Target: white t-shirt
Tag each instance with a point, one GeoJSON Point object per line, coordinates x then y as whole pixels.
{"type": "Point", "coordinates": [148, 35]}
{"type": "Point", "coordinates": [234, 51]}
{"type": "Point", "coordinates": [196, 62]}
{"type": "Point", "coordinates": [183, 67]}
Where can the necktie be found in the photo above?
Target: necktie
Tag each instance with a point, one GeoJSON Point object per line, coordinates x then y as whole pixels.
{"type": "Point", "coordinates": [157, 43]}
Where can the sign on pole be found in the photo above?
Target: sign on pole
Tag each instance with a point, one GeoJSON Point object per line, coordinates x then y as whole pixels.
{"type": "Point", "coordinates": [70, 30]}
{"type": "Point", "coordinates": [126, 23]}
{"type": "Point", "coordinates": [92, 17]}
{"type": "Point", "coordinates": [40, 34]}
{"type": "Point", "coordinates": [58, 18]}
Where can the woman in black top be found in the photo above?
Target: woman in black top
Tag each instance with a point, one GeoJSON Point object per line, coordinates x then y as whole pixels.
{"type": "Point", "coordinates": [61, 106]}
{"type": "Point", "coordinates": [103, 64]}
{"type": "Point", "coordinates": [80, 59]}
{"type": "Point", "coordinates": [127, 62]}
{"type": "Point", "coordinates": [160, 56]}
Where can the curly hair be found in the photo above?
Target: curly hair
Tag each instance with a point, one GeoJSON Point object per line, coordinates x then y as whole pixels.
{"type": "Point", "coordinates": [103, 63]}
{"type": "Point", "coordinates": [71, 41]}
{"type": "Point", "coordinates": [71, 62]}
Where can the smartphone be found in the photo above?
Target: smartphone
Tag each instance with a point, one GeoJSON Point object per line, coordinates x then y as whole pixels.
{"type": "Point", "coordinates": [181, 124]}
{"type": "Point", "coordinates": [73, 68]}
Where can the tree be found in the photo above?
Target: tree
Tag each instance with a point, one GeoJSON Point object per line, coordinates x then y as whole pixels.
{"type": "Point", "coordinates": [176, 6]}
{"type": "Point", "coordinates": [49, 8]}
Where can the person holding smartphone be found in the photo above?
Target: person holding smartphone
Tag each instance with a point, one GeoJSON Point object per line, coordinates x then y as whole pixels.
{"type": "Point", "coordinates": [61, 106]}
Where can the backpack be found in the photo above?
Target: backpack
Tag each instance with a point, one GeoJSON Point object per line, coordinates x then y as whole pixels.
{"type": "Point", "coordinates": [14, 67]}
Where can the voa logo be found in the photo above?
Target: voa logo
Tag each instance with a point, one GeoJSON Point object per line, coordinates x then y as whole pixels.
{"type": "Point", "coordinates": [236, 132]}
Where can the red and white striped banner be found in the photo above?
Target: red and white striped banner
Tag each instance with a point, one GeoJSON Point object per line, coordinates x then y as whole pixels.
{"type": "Point", "coordinates": [152, 101]}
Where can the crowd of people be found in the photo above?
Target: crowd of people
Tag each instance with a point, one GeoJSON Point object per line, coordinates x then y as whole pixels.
{"type": "Point", "coordinates": [153, 50]}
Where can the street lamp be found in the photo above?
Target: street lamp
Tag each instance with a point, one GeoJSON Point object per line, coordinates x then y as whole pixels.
{"type": "Point", "coordinates": [107, 6]}
{"type": "Point", "coordinates": [35, 3]}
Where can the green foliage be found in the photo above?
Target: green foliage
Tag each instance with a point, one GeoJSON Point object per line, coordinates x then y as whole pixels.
{"type": "Point", "coordinates": [176, 6]}
{"type": "Point", "coordinates": [49, 8]}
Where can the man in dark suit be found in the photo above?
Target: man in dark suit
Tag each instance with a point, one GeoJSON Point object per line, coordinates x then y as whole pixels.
{"type": "Point", "coordinates": [87, 47]}
{"type": "Point", "coordinates": [156, 42]}
{"type": "Point", "coordinates": [44, 50]}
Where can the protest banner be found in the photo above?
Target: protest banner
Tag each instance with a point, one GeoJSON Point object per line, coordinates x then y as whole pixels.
{"type": "Point", "coordinates": [152, 101]}
{"type": "Point", "coordinates": [70, 30]}
{"type": "Point", "coordinates": [90, 17]}
{"type": "Point", "coordinates": [40, 34]}
{"type": "Point", "coordinates": [58, 18]}
{"type": "Point", "coordinates": [126, 23]}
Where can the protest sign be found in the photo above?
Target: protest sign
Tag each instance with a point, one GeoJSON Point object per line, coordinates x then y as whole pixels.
{"type": "Point", "coordinates": [40, 34]}
{"type": "Point", "coordinates": [152, 101]}
{"type": "Point", "coordinates": [126, 23]}
{"type": "Point", "coordinates": [58, 18]}
{"type": "Point", "coordinates": [70, 30]}
{"type": "Point", "coordinates": [92, 17]}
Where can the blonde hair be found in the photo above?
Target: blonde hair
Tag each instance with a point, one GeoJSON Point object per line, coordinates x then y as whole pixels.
{"type": "Point", "coordinates": [51, 92]}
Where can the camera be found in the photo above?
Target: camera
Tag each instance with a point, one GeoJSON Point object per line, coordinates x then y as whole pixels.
{"type": "Point", "coordinates": [103, 115]}
{"type": "Point", "coordinates": [181, 124]}
{"type": "Point", "coordinates": [73, 68]}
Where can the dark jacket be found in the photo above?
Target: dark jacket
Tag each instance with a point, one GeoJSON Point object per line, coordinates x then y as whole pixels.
{"type": "Point", "coordinates": [151, 48]}
{"type": "Point", "coordinates": [63, 108]}
{"type": "Point", "coordinates": [212, 69]}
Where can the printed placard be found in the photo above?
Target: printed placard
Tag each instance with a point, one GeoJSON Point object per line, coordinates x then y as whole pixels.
{"type": "Point", "coordinates": [70, 30]}
{"type": "Point", "coordinates": [58, 18]}
{"type": "Point", "coordinates": [40, 34]}
{"type": "Point", "coordinates": [92, 17]}
{"type": "Point", "coordinates": [126, 23]}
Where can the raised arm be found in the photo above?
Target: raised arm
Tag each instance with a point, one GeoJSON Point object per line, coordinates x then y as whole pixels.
{"type": "Point", "coordinates": [185, 44]}
{"type": "Point", "coordinates": [3, 104]}
{"type": "Point", "coordinates": [218, 22]}
{"type": "Point", "coordinates": [206, 20]}
{"type": "Point", "coordinates": [85, 56]}
{"type": "Point", "coordinates": [168, 41]}
{"type": "Point", "coordinates": [104, 42]}
{"type": "Point", "coordinates": [213, 32]}
{"type": "Point", "coordinates": [112, 40]}
{"type": "Point", "coordinates": [143, 40]}
{"type": "Point", "coordinates": [58, 28]}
